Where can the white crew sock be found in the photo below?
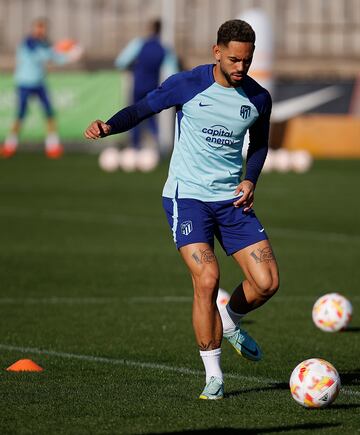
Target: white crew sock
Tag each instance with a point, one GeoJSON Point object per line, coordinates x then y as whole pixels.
{"type": "Point", "coordinates": [229, 319]}
{"type": "Point", "coordinates": [52, 141]}
{"type": "Point", "coordinates": [11, 141]}
{"type": "Point", "coordinates": [211, 360]}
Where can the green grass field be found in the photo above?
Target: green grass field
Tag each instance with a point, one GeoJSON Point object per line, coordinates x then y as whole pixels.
{"type": "Point", "coordinates": [93, 290]}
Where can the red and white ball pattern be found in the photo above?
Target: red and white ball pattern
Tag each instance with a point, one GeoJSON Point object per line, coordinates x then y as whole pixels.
{"type": "Point", "coordinates": [314, 383]}
{"type": "Point", "coordinates": [332, 312]}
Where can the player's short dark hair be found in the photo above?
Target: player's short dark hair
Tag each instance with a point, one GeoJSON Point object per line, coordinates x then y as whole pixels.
{"type": "Point", "coordinates": [156, 27]}
{"type": "Point", "coordinates": [235, 30]}
{"type": "Point", "coordinates": [40, 21]}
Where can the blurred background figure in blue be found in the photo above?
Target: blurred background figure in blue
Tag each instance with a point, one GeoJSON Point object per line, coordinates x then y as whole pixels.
{"type": "Point", "coordinates": [149, 61]}
{"type": "Point", "coordinates": [32, 56]}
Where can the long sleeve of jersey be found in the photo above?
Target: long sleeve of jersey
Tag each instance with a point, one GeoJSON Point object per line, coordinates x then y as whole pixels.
{"type": "Point", "coordinates": [129, 117]}
{"type": "Point", "coordinates": [171, 92]}
{"type": "Point", "coordinates": [258, 147]}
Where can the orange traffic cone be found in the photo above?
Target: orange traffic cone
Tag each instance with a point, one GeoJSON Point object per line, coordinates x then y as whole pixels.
{"type": "Point", "coordinates": [24, 365]}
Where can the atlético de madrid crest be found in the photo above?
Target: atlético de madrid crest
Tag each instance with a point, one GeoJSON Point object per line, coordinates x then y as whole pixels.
{"type": "Point", "coordinates": [186, 227]}
{"type": "Point", "coordinates": [245, 111]}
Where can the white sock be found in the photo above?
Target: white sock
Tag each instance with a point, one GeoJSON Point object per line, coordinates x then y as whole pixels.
{"type": "Point", "coordinates": [230, 319]}
{"type": "Point", "coordinates": [11, 141]}
{"type": "Point", "coordinates": [211, 360]}
{"type": "Point", "coordinates": [52, 141]}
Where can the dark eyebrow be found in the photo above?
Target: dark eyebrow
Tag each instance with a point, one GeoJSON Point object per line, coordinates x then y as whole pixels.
{"type": "Point", "coordinates": [246, 59]}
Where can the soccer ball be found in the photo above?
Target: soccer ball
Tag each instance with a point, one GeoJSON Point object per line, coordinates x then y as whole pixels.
{"type": "Point", "coordinates": [128, 159]}
{"type": "Point", "coordinates": [147, 159]}
{"type": "Point", "coordinates": [223, 298]}
{"type": "Point", "coordinates": [109, 159]}
{"type": "Point", "coordinates": [314, 383]}
{"type": "Point", "coordinates": [281, 160]}
{"type": "Point", "coordinates": [301, 161]}
{"type": "Point", "coordinates": [332, 312]}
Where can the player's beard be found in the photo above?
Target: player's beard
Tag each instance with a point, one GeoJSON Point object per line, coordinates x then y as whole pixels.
{"type": "Point", "coordinates": [231, 82]}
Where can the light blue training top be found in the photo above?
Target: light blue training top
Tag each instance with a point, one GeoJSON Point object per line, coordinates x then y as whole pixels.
{"type": "Point", "coordinates": [32, 56]}
{"type": "Point", "coordinates": [212, 120]}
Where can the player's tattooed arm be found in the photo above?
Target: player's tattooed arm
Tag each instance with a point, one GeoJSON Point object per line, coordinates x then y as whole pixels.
{"type": "Point", "coordinates": [202, 256]}
{"type": "Point", "coordinates": [264, 255]}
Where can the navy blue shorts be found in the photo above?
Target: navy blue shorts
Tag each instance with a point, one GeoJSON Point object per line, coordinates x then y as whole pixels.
{"type": "Point", "coordinates": [194, 221]}
{"type": "Point", "coordinates": [24, 93]}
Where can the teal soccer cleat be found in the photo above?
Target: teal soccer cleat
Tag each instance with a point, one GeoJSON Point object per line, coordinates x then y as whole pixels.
{"type": "Point", "coordinates": [214, 389]}
{"type": "Point", "coordinates": [244, 344]}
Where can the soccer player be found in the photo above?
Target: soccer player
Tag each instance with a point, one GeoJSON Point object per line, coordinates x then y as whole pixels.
{"type": "Point", "coordinates": [32, 55]}
{"type": "Point", "coordinates": [145, 57]}
{"type": "Point", "coordinates": [204, 196]}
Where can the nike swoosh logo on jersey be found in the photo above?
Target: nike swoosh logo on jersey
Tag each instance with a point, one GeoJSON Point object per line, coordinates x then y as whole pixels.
{"type": "Point", "coordinates": [262, 230]}
{"type": "Point", "coordinates": [204, 105]}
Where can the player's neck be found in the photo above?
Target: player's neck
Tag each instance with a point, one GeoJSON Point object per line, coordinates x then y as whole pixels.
{"type": "Point", "coordinates": [219, 77]}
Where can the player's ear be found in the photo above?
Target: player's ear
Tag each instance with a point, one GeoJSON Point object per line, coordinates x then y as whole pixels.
{"type": "Point", "coordinates": [217, 53]}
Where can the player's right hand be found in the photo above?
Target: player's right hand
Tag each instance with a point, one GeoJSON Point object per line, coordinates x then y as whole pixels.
{"type": "Point", "coordinates": [97, 129]}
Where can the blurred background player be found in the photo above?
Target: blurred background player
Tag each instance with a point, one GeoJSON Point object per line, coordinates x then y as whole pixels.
{"type": "Point", "coordinates": [149, 60]}
{"type": "Point", "coordinates": [32, 55]}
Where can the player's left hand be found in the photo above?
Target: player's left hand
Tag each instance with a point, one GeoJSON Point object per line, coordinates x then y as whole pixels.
{"type": "Point", "coordinates": [246, 188]}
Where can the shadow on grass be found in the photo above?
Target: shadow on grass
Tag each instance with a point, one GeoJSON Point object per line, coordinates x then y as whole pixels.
{"type": "Point", "coordinates": [342, 406]}
{"type": "Point", "coordinates": [277, 386]}
{"type": "Point", "coordinates": [351, 329]}
{"type": "Point", "coordinates": [296, 427]}
{"type": "Point", "coordinates": [247, 322]}
{"type": "Point", "coordinates": [350, 378]}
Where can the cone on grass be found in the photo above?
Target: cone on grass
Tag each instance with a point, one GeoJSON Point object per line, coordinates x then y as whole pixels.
{"type": "Point", "coordinates": [25, 365]}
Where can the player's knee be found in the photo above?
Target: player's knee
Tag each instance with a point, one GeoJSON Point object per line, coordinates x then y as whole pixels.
{"type": "Point", "coordinates": [267, 285]}
{"type": "Point", "coordinates": [206, 286]}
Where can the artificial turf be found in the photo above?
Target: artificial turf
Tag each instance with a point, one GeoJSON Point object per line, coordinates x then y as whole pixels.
{"type": "Point", "coordinates": [93, 290]}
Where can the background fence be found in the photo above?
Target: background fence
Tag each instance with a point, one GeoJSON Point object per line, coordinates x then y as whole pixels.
{"type": "Point", "coordinates": [319, 37]}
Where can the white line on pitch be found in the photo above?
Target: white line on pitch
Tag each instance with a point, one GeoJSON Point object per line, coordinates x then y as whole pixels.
{"type": "Point", "coordinates": [147, 365]}
{"type": "Point", "coordinates": [186, 299]}
{"type": "Point", "coordinates": [130, 363]}
{"type": "Point", "coordinates": [55, 300]}
{"type": "Point", "coordinates": [133, 300]}
{"type": "Point", "coordinates": [160, 299]}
